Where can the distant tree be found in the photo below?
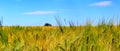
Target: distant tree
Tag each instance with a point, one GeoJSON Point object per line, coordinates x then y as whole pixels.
{"type": "Point", "coordinates": [47, 24]}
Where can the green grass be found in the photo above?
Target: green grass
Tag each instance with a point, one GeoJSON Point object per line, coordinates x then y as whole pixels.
{"type": "Point", "coordinates": [104, 37]}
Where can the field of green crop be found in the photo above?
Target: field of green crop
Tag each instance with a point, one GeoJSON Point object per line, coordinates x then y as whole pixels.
{"type": "Point", "coordinates": [104, 37]}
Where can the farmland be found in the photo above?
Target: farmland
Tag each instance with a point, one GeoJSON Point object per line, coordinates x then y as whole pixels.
{"type": "Point", "coordinates": [104, 37]}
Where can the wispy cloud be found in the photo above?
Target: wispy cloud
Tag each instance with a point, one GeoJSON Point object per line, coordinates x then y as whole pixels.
{"type": "Point", "coordinates": [102, 3]}
{"type": "Point", "coordinates": [40, 12]}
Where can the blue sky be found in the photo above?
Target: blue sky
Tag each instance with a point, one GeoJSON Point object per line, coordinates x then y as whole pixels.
{"type": "Point", "coordinates": [39, 12]}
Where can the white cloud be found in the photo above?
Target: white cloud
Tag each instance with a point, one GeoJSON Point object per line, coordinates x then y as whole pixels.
{"type": "Point", "coordinates": [102, 3]}
{"type": "Point", "coordinates": [40, 12]}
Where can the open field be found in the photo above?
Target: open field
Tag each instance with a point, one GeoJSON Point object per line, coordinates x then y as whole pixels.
{"type": "Point", "coordinates": [60, 38]}
{"type": "Point", "coordinates": [59, 25]}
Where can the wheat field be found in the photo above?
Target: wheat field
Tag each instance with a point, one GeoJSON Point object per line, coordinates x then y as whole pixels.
{"type": "Point", "coordinates": [104, 37]}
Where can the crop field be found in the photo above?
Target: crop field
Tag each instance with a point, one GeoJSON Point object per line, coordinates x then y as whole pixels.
{"type": "Point", "coordinates": [103, 37]}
